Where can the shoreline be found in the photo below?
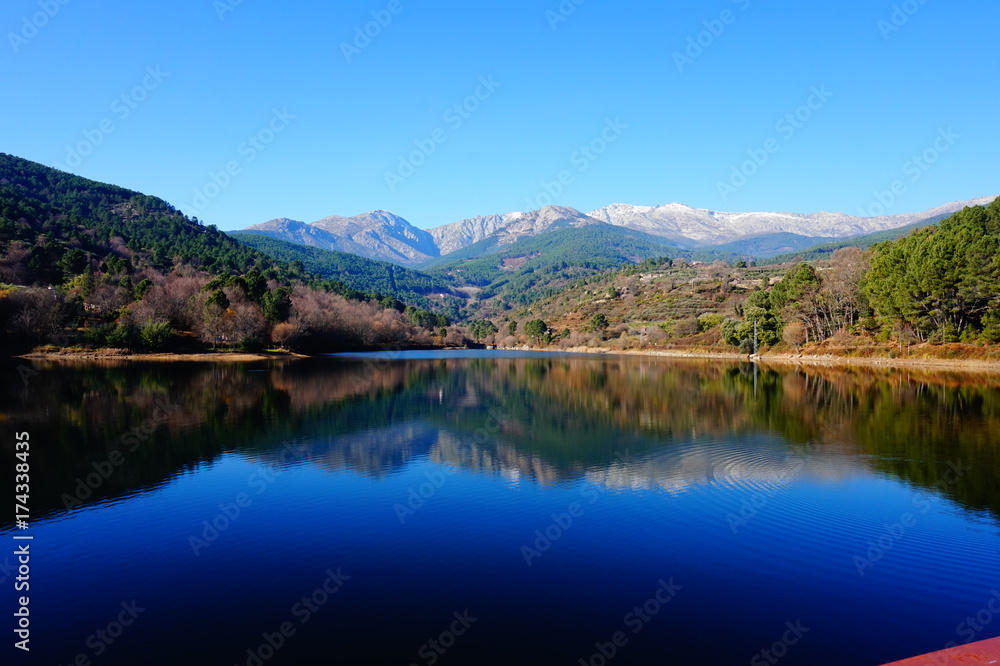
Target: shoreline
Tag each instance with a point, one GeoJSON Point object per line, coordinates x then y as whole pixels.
{"type": "Point", "coordinates": [782, 359]}
{"type": "Point", "coordinates": [160, 357]}
{"type": "Point", "coordinates": [814, 360]}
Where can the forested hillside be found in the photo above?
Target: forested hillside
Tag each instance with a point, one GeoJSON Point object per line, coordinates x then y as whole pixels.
{"type": "Point", "coordinates": [86, 263]}
{"type": "Point", "coordinates": [936, 286]}
{"type": "Point", "coordinates": [57, 213]}
{"type": "Point", "coordinates": [366, 275]}
{"type": "Point", "coordinates": [942, 281]}
{"type": "Point", "coordinates": [522, 272]}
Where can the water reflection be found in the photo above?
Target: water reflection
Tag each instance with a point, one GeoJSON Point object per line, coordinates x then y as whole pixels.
{"type": "Point", "coordinates": [623, 423]}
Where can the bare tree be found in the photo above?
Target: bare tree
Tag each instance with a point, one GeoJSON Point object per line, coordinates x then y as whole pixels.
{"type": "Point", "coordinates": [795, 334]}
{"type": "Point", "coordinates": [284, 334]}
{"type": "Point", "coordinates": [106, 300]}
{"type": "Point", "coordinates": [14, 264]}
{"type": "Point", "coordinates": [249, 327]}
{"type": "Point", "coordinates": [840, 299]}
{"type": "Point", "coordinates": [172, 298]}
{"type": "Point", "coordinates": [36, 314]}
{"type": "Point", "coordinates": [905, 334]}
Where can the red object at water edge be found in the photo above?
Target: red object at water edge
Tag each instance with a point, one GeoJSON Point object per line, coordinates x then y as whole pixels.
{"type": "Point", "coordinates": [983, 652]}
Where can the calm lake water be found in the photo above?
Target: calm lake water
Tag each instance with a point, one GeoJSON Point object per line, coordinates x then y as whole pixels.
{"type": "Point", "coordinates": [489, 508]}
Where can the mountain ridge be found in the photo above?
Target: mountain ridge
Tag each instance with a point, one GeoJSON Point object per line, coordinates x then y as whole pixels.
{"type": "Point", "coordinates": [706, 227]}
{"type": "Point", "coordinates": [385, 236]}
{"type": "Point", "coordinates": [377, 234]}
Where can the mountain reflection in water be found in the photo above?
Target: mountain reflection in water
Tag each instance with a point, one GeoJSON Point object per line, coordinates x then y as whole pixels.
{"type": "Point", "coordinates": [620, 422]}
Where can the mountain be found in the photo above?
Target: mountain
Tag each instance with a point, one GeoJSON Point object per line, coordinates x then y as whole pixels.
{"type": "Point", "coordinates": [376, 235]}
{"type": "Point", "coordinates": [824, 250]}
{"type": "Point", "coordinates": [384, 236]}
{"type": "Point", "coordinates": [508, 228]}
{"type": "Point", "coordinates": [297, 232]}
{"type": "Point", "coordinates": [694, 227]}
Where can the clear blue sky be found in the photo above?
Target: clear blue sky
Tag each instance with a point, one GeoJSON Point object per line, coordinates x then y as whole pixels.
{"type": "Point", "coordinates": [680, 130]}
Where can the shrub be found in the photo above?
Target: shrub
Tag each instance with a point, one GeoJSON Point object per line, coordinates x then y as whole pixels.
{"type": "Point", "coordinates": [708, 321]}
{"type": "Point", "coordinates": [121, 336]}
{"type": "Point", "coordinates": [686, 327]}
{"type": "Point", "coordinates": [156, 335]}
{"type": "Point", "coordinates": [110, 335]}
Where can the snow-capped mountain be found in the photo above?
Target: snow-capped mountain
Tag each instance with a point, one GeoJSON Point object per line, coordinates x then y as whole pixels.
{"type": "Point", "coordinates": [388, 237]}
{"type": "Point", "coordinates": [377, 235]}
{"type": "Point", "coordinates": [694, 227]}
{"type": "Point", "coordinates": [508, 228]}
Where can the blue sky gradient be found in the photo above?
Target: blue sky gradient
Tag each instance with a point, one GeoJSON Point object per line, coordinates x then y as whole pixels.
{"type": "Point", "coordinates": [242, 111]}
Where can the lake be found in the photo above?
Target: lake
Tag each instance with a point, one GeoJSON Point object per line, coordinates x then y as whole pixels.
{"type": "Point", "coordinates": [502, 508]}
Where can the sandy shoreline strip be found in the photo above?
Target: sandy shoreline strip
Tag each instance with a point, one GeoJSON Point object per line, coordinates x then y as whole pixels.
{"type": "Point", "coordinates": [829, 360]}
{"type": "Point", "coordinates": [207, 357]}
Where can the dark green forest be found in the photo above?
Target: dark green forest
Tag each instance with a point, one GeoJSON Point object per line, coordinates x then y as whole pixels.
{"type": "Point", "coordinates": [56, 214]}
{"type": "Point", "coordinates": [942, 281]}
